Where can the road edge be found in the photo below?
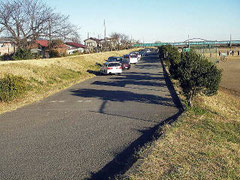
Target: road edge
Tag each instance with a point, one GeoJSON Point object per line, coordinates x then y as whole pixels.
{"type": "Point", "coordinates": [158, 134]}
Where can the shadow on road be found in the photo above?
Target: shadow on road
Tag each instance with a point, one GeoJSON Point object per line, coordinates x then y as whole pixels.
{"type": "Point", "coordinates": [96, 73]}
{"type": "Point", "coordinates": [124, 160]}
{"type": "Point", "coordinates": [122, 96]}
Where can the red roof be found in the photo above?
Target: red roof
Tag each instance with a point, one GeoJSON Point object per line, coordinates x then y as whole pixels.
{"type": "Point", "coordinates": [77, 45]}
{"type": "Point", "coordinates": [43, 43]}
{"type": "Point", "coordinates": [61, 46]}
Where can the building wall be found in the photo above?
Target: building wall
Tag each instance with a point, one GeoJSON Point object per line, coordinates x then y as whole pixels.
{"type": "Point", "coordinates": [6, 48]}
{"type": "Point", "coordinates": [72, 50]}
{"type": "Point", "coordinates": [90, 43]}
{"type": "Point", "coordinates": [61, 50]}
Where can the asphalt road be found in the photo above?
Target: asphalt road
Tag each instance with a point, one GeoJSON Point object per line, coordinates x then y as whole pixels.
{"type": "Point", "coordinates": [87, 129]}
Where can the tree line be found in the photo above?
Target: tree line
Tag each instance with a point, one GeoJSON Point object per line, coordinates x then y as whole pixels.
{"type": "Point", "coordinates": [26, 21]}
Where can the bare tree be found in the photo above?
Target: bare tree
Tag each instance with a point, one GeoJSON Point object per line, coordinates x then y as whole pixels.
{"type": "Point", "coordinates": [115, 35]}
{"type": "Point", "coordinates": [61, 28]}
{"type": "Point", "coordinates": [28, 20]}
{"type": "Point", "coordinates": [74, 35]}
{"type": "Point", "coordinates": [123, 40]}
{"type": "Point", "coordinates": [24, 19]}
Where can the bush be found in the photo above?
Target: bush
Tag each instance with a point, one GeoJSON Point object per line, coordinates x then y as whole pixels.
{"type": "Point", "coordinates": [54, 53]}
{"type": "Point", "coordinates": [197, 75]}
{"type": "Point", "coordinates": [172, 57]}
{"type": "Point", "coordinates": [22, 54]}
{"type": "Point", "coordinates": [11, 87]}
{"type": "Point", "coordinates": [6, 57]}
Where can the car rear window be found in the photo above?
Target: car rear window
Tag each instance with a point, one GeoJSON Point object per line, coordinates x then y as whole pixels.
{"type": "Point", "coordinates": [133, 56]}
{"type": "Point", "coordinates": [125, 61]}
{"type": "Point", "coordinates": [112, 59]}
{"type": "Point", "coordinates": [113, 64]}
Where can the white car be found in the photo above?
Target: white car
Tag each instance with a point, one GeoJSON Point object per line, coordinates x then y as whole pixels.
{"type": "Point", "coordinates": [111, 68]}
{"type": "Point", "coordinates": [133, 58]}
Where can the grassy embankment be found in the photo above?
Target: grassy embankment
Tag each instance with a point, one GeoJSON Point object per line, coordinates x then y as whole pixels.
{"type": "Point", "coordinates": [204, 143]}
{"type": "Point", "coordinates": [45, 77]}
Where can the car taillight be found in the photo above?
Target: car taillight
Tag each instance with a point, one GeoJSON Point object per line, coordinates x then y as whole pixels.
{"type": "Point", "coordinates": [109, 68]}
{"type": "Point", "coordinates": [120, 67]}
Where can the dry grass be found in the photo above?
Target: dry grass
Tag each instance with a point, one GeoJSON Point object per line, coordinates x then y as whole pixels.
{"type": "Point", "coordinates": [203, 144]}
{"type": "Point", "coordinates": [48, 76]}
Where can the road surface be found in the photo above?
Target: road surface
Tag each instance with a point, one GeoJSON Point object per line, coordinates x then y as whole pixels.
{"type": "Point", "coordinates": [78, 133]}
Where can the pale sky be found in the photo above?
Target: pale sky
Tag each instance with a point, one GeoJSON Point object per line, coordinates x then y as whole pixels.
{"type": "Point", "coordinates": [155, 20]}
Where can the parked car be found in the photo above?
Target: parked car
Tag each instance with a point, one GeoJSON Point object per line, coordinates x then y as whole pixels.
{"type": "Point", "coordinates": [139, 56]}
{"type": "Point", "coordinates": [125, 64]}
{"type": "Point", "coordinates": [136, 53]}
{"type": "Point", "coordinates": [142, 53]}
{"type": "Point", "coordinates": [111, 68]}
{"type": "Point", "coordinates": [133, 59]}
{"type": "Point", "coordinates": [114, 59]}
{"type": "Point", "coordinates": [126, 58]}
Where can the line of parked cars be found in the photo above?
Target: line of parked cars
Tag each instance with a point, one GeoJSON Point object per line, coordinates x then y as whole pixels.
{"type": "Point", "coordinates": [116, 65]}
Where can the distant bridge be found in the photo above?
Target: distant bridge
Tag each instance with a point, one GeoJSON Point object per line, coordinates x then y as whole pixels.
{"type": "Point", "coordinates": [192, 42]}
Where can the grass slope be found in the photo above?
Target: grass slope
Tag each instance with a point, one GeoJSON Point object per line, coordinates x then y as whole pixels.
{"type": "Point", "coordinates": [48, 76]}
{"type": "Point", "coordinates": [203, 144]}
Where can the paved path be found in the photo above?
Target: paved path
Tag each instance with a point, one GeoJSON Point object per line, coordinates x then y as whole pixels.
{"type": "Point", "coordinates": [80, 130]}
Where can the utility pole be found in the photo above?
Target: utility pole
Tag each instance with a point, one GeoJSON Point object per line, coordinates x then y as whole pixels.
{"type": "Point", "coordinates": [105, 29]}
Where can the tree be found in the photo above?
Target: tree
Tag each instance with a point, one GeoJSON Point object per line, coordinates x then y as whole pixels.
{"type": "Point", "coordinates": [22, 54]}
{"type": "Point", "coordinates": [28, 20]}
{"type": "Point", "coordinates": [197, 75]}
{"type": "Point", "coordinates": [74, 36]}
{"type": "Point", "coordinates": [24, 19]}
{"type": "Point", "coordinates": [123, 40]}
{"type": "Point", "coordinates": [59, 27]}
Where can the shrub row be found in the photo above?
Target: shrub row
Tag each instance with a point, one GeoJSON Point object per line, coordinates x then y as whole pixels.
{"type": "Point", "coordinates": [196, 75]}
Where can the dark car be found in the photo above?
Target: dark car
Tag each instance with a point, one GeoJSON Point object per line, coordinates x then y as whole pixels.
{"type": "Point", "coordinates": [125, 64]}
{"type": "Point", "coordinates": [114, 59]}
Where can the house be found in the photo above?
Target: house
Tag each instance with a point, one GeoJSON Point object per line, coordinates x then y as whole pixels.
{"type": "Point", "coordinates": [93, 44]}
{"type": "Point", "coordinates": [75, 47]}
{"type": "Point", "coordinates": [42, 48]}
{"type": "Point", "coordinates": [7, 46]}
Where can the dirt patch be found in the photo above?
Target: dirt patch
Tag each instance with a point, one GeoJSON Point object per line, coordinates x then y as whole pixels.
{"type": "Point", "coordinates": [231, 75]}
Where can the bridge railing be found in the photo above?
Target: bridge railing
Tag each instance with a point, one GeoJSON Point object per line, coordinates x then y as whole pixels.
{"type": "Point", "coordinates": [213, 43]}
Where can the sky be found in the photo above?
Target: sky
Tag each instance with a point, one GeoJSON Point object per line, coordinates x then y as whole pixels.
{"type": "Point", "coordinates": [154, 20]}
